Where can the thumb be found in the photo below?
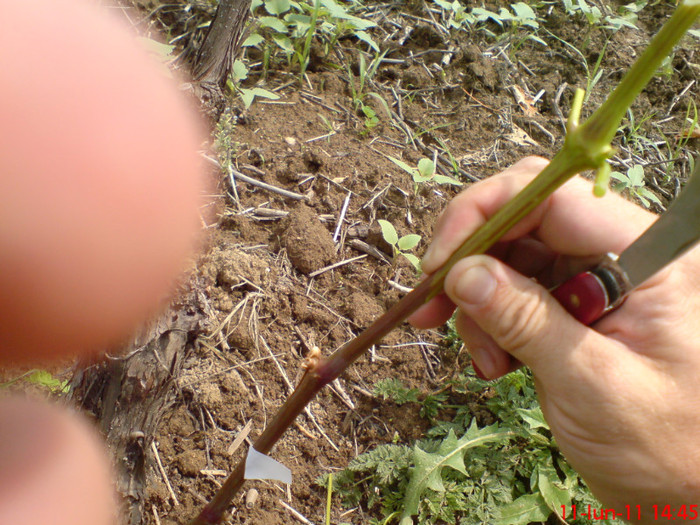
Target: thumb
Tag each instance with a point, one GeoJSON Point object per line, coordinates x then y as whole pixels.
{"type": "Point", "coordinates": [516, 315]}
{"type": "Point", "coordinates": [53, 468]}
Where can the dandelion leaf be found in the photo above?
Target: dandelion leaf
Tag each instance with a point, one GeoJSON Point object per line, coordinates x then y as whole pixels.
{"type": "Point", "coordinates": [426, 472]}
{"type": "Point", "coordinates": [524, 510]}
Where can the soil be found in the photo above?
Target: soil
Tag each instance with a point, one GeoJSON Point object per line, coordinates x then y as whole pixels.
{"type": "Point", "coordinates": [257, 287]}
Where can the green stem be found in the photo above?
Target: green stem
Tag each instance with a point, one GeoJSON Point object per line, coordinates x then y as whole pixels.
{"type": "Point", "coordinates": [602, 125]}
{"type": "Point", "coordinates": [586, 147]}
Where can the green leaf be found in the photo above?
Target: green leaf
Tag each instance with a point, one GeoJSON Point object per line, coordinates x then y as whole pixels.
{"type": "Point", "coordinates": [523, 11]}
{"type": "Point", "coordinates": [368, 111]}
{"type": "Point", "coordinates": [335, 10]}
{"type": "Point", "coordinates": [427, 467]}
{"type": "Point", "coordinates": [239, 70]}
{"type": "Point", "coordinates": [253, 40]}
{"type": "Point", "coordinates": [389, 232]}
{"type": "Point", "coordinates": [364, 36]}
{"type": "Point", "coordinates": [551, 488]}
{"type": "Point", "coordinates": [622, 178]}
{"type": "Point", "coordinates": [645, 192]}
{"type": "Point", "coordinates": [533, 417]}
{"type": "Point", "coordinates": [426, 167]}
{"type": "Point", "coordinates": [524, 510]}
{"type": "Point", "coordinates": [444, 179]}
{"type": "Point", "coordinates": [162, 51]}
{"type": "Point", "coordinates": [636, 175]}
{"type": "Point", "coordinates": [408, 242]}
{"type": "Point", "coordinates": [401, 164]}
{"type": "Point", "coordinates": [45, 379]}
{"type": "Point", "coordinates": [302, 22]}
{"type": "Point", "coordinates": [415, 261]}
{"type": "Point", "coordinates": [273, 23]}
{"type": "Point", "coordinates": [277, 7]}
{"type": "Point", "coordinates": [444, 4]}
{"type": "Point", "coordinates": [482, 15]}
{"type": "Point", "coordinates": [248, 95]}
{"type": "Point", "coordinates": [284, 42]}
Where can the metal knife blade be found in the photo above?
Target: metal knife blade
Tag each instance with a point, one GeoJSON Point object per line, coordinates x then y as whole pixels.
{"type": "Point", "coordinates": [675, 232]}
{"type": "Point", "coordinates": [590, 295]}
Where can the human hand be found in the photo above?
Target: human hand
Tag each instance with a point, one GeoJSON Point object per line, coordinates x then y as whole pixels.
{"type": "Point", "coordinates": [99, 190]}
{"type": "Point", "coordinates": [621, 397]}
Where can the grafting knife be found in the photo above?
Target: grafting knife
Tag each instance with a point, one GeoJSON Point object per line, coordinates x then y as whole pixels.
{"type": "Point", "coordinates": [590, 295]}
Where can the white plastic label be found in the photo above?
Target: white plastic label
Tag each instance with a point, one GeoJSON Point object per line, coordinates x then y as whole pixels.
{"type": "Point", "coordinates": [260, 466]}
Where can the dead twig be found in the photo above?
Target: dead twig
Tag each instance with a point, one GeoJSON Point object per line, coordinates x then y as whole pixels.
{"type": "Point", "coordinates": [163, 474]}
{"type": "Point", "coordinates": [235, 174]}
{"type": "Point", "coordinates": [336, 265]}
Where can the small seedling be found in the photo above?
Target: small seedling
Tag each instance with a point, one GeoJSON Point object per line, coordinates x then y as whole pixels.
{"type": "Point", "coordinates": [42, 378]}
{"type": "Point", "coordinates": [239, 73]}
{"type": "Point", "coordinates": [292, 26]}
{"type": "Point", "coordinates": [424, 172]}
{"type": "Point", "coordinates": [401, 245]}
{"type": "Point", "coordinates": [633, 182]}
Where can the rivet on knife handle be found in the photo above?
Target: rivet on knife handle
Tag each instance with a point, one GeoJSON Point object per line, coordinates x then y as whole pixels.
{"type": "Point", "coordinates": [590, 295]}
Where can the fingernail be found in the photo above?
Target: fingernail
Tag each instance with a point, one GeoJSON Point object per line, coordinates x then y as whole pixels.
{"type": "Point", "coordinates": [475, 286]}
{"type": "Point", "coordinates": [478, 372]}
{"type": "Point", "coordinates": [428, 255]}
{"type": "Point", "coordinates": [483, 362]}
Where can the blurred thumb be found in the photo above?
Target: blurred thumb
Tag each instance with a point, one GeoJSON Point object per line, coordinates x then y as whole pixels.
{"type": "Point", "coordinates": [53, 469]}
{"type": "Point", "coordinates": [518, 314]}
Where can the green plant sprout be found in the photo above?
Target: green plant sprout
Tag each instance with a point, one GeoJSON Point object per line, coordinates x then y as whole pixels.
{"type": "Point", "coordinates": [357, 91]}
{"type": "Point", "coordinates": [400, 245]}
{"type": "Point", "coordinates": [522, 16]}
{"type": "Point", "coordinates": [627, 16]}
{"type": "Point", "coordinates": [42, 378]}
{"type": "Point", "coordinates": [393, 389]}
{"type": "Point", "coordinates": [424, 172]}
{"type": "Point", "coordinates": [586, 146]}
{"type": "Point", "coordinates": [239, 72]}
{"type": "Point", "coordinates": [633, 182]}
{"type": "Point", "coordinates": [292, 26]}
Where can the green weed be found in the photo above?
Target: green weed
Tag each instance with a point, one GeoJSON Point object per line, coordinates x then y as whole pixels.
{"type": "Point", "coordinates": [626, 15]}
{"type": "Point", "coordinates": [632, 181]}
{"type": "Point", "coordinates": [43, 379]}
{"type": "Point", "coordinates": [401, 245]}
{"type": "Point", "coordinates": [506, 473]}
{"type": "Point", "coordinates": [520, 16]}
{"type": "Point", "coordinates": [292, 26]}
{"type": "Point", "coordinates": [240, 73]}
{"type": "Point", "coordinates": [424, 172]}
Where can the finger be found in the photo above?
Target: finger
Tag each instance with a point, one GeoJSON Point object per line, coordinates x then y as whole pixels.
{"type": "Point", "coordinates": [489, 358]}
{"type": "Point", "coordinates": [466, 212]}
{"type": "Point", "coordinates": [571, 221]}
{"type": "Point", "coordinates": [99, 181]}
{"type": "Point", "coordinates": [433, 313]}
{"type": "Point", "coordinates": [52, 468]}
{"type": "Point", "coordinates": [519, 315]}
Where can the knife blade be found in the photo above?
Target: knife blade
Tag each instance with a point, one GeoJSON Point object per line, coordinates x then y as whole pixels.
{"type": "Point", "coordinates": [592, 294]}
